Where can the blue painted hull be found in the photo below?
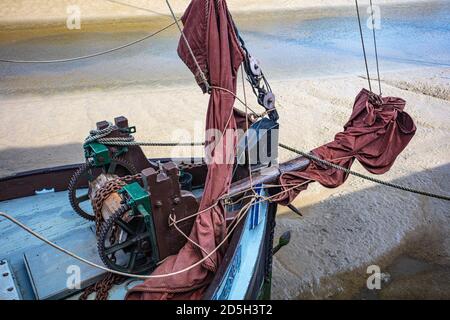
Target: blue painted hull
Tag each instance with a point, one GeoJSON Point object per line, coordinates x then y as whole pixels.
{"type": "Point", "coordinates": [248, 273]}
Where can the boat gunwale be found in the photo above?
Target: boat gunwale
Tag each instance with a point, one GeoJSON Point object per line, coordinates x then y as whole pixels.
{"type": "Point", "coordinates": [37, 175]}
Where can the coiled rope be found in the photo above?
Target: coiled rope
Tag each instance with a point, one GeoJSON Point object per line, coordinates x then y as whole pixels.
{"type": "Point", "coordinates": [98, 135]}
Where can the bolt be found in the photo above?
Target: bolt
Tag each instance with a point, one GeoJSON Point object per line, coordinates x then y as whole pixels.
{"type": "Point", "coordinates": [10, 289]}
{"type": "Point", "coordinates": [2, 262]}
{"type": "Point", "coordinates": [176, 200]}
{"type": "Point", "coordinates": [6, 274]}
{"type": "Point", "coordinates": [158, 204]}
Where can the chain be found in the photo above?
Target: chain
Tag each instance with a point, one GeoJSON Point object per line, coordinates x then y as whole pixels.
{"type": "Point", "coordinates": [105, 191]}
{"type": "Point", "coordinates": [103, 286]}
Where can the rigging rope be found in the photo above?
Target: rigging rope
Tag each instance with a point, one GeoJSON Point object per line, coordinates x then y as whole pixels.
{"type": "Point", "coordinates": [94, 54]}
{"type": "Point", "coordinates": [125, 274]}
{"type": "Point", "coordinates": [360, 175]}
{"type": "Point", "coordinates": [137, 7]}
{"type": "Point", "coordinates": [375, 46]}
{"type": "Point", "coordinates": [202, 74]}
{"type": "Point", "coordinates": [363, 45]}
{"type": "Point", "coordinates": [98, 135]}
{"type": "Point", "coordinates": [240, 215]}
{"type": "Point", "coordinates": [117, 142]}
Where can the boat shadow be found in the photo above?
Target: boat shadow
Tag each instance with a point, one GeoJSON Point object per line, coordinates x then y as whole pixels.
{"type": "Point", "coordinates": [20, 159]}
{"type": "Point", "coordinates": [340, 236]}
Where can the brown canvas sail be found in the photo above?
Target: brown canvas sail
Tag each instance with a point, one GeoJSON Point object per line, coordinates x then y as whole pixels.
{"type": "Point", "coordinates": [376, 133]}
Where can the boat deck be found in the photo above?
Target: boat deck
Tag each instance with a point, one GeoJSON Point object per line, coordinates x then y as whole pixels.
{"type": "Point", "coordinates": [51, 215]}
{"type": "Point", "coordinates": [42, 272]}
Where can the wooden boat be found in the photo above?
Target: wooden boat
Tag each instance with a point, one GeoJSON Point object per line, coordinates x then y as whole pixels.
{"type": "Point", "coordinates": [39, 199]}
{"type": "Point", "coordinates": [134, 212]}
{"type": "Point", "coordinates": [122, 213]}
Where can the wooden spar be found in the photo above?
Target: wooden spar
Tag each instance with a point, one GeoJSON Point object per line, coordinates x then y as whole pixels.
{"type": "Point", "coordinates": [267, 175]}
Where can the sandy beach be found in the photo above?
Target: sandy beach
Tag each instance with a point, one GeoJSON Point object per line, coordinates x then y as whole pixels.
{"type": "Point", "coordinates": [343, 230]}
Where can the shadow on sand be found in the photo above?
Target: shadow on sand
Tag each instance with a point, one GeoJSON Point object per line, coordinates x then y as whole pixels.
{"type": "Point", "coordinates": [406, 235]}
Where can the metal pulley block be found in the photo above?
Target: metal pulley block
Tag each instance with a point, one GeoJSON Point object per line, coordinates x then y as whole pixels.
{"type": "Point", "coordinates": [269, 101]}
{"type": "Point", "coordinates": [258, 81]}
{"type": "Point", "coordinates": [254, 66]}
